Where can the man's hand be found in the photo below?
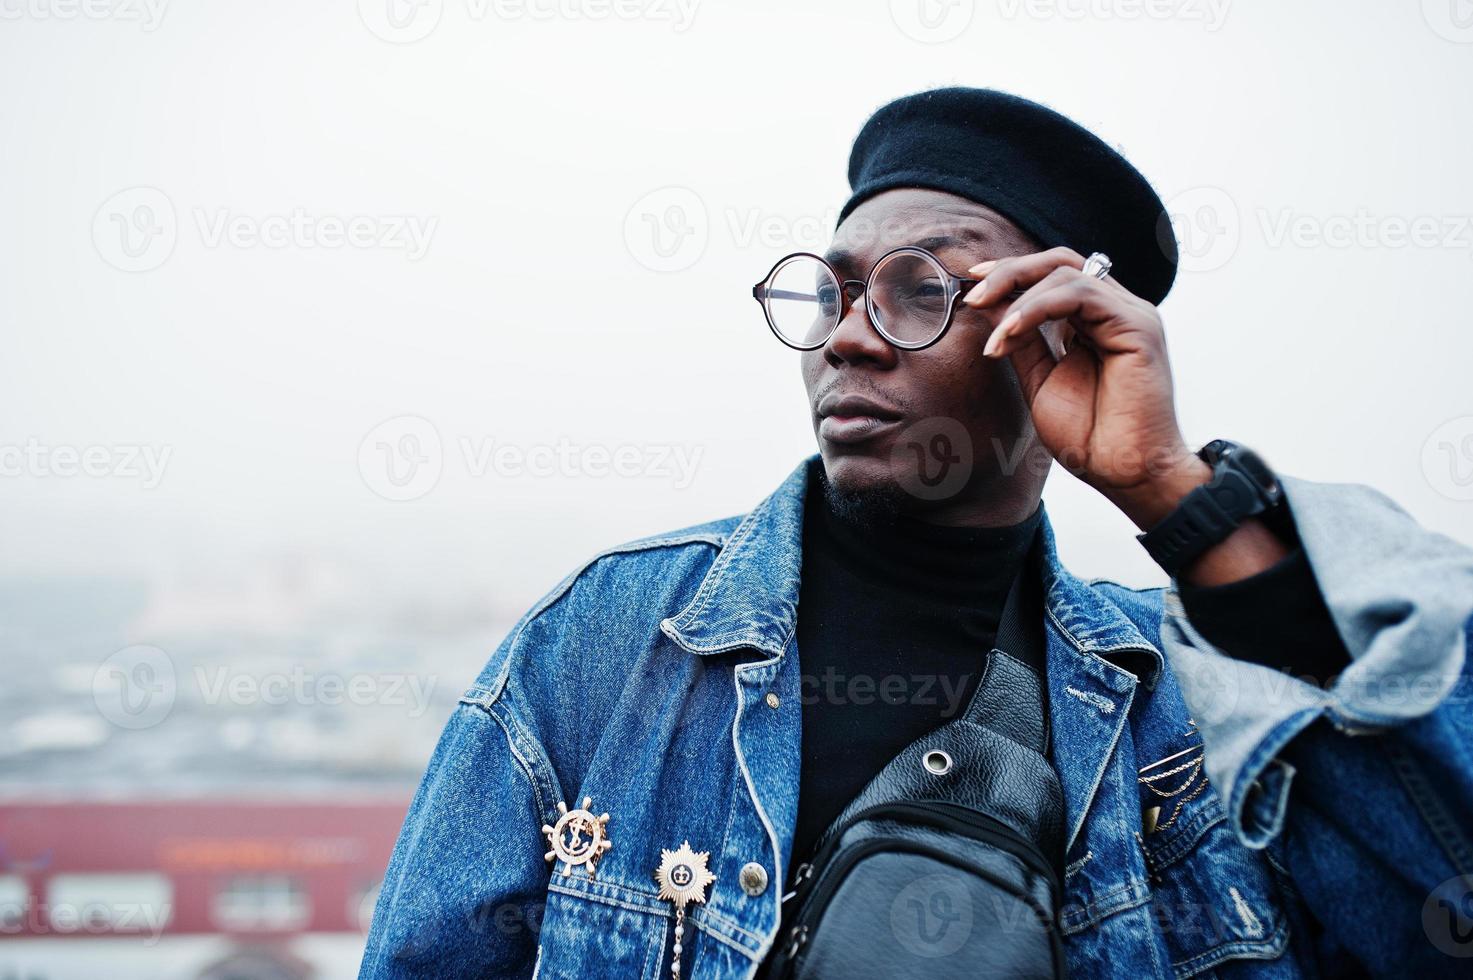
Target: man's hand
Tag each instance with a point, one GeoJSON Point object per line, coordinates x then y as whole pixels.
{"type": "Point", "coordinates": [1104, 409]}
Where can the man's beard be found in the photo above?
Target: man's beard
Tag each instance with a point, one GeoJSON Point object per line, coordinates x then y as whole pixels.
{"type": "Point", "coordinates": [868, 508]}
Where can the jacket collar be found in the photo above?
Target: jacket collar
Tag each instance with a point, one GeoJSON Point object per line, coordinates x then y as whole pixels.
{"type": "Point", "coordinates": [749, 596]}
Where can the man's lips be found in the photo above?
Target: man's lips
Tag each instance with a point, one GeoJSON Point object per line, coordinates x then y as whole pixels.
{"type": "Point", "coordinates": [853, 418]}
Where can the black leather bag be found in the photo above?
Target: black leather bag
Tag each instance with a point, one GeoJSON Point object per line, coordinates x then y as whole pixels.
{"type": "Point", "coordinates": [942, 867]}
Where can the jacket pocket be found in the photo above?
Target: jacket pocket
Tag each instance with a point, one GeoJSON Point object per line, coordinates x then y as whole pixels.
{"type": "Point", "coordinates": [1213, 899]}
{"type": "Point", "coordinates": [587, 937]}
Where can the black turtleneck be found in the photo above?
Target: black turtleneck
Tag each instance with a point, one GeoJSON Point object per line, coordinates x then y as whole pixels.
{"type": "Point", "coordinates": [893, 625]}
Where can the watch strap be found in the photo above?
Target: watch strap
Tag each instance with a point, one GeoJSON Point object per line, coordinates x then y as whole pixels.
{"type": "Point", "coordinates": [1241, 487]}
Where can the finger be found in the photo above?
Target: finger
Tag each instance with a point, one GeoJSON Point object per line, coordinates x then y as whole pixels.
{"type": "Point", "coordinates": [1001, 277]}
{"type": "Point", "coordinates": [1033, 361]}
{"type": "Point", "coordinates": [1095, 311]}
{"type": "Point", "coordinates": [1060, 277]}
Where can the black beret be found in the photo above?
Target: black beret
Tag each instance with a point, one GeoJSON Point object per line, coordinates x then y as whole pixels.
{"type": "Point", "coordinates": [1044, 172]}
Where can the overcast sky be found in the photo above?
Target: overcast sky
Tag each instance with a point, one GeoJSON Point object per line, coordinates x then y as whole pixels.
{"type": "Point", "coordinates": [259, 257]}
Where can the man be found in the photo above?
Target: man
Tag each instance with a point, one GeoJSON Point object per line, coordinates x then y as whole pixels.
{"type": "Point", "coordinates": [1264, 769]}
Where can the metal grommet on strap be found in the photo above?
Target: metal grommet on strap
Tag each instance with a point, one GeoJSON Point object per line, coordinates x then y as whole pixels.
{"type": "Point", "coordinates": [937, 762]}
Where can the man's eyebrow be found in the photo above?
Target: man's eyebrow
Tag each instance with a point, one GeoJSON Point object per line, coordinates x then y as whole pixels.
{"type": "Point", "coordinates": [964, 236]}
{"type": "Point", "coordinates": [840, 259]}
{"type": "Point", "coordinates": [844, 259]}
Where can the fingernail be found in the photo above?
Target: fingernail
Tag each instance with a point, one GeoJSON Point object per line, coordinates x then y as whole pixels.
{"type": "Point", "coordinates": [994, 341]}
{"type": "Point", "coordinates": [974, 294]}
{"type": "Point", "coordinates": [982, 268]}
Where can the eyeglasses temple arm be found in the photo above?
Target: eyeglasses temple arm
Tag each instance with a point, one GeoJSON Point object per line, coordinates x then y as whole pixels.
{"type": "Point", "coordinates": [781, 294]}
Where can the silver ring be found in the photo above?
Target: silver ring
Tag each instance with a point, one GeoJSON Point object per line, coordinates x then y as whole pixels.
{"type": "Point", "coordinates": [1098, 265]}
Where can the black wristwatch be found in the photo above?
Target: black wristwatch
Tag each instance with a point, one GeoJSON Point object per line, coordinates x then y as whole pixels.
{"type": "Point", "coordinates": [1242, 486]}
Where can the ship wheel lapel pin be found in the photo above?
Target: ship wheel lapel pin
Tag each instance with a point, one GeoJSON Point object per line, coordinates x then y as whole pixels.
{"type": "Point", "coordinates": [578, 839]}
{"type": "Point", "coordinates": [682, 877]}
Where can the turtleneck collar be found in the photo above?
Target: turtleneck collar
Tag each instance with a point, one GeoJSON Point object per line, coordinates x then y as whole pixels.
{"type": "Point", "coordinates": [910, 555]}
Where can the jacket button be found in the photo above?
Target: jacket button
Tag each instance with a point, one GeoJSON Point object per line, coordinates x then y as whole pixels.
{"type": "Point", "coordinates": [753, 878]}
{"type": "Point", "coordinates": [773, 700]}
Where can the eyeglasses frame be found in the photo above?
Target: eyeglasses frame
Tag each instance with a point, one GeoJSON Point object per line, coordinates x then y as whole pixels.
{"type": "Point", "coordinates": [956, 288]}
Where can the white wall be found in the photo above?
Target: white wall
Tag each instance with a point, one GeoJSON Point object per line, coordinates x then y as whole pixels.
{"type": "Point", "coordinates": [527, 138]}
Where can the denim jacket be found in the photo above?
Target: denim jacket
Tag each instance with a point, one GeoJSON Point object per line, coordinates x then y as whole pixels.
{"type": "Point", "coordinates": [661, 681]}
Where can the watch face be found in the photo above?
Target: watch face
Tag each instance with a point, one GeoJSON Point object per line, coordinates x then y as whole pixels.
{"type": "Point", "coordinates": [1216, 450]}
{"type": "Point", "coordinates": [1257, 469]}
{"type": "Point", "coordinates": [1245, 461]}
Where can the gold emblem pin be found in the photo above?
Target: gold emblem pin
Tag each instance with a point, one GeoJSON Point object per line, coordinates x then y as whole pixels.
{"type": "Point", "coordinates": [682, 877]}
{"type": "Point", "coordinates": [578, 839]}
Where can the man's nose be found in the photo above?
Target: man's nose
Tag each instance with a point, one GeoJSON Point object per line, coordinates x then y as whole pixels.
{"type": "Point", "coordinates": [855, 339]}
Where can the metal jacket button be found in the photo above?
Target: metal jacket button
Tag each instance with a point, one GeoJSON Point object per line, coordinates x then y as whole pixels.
{"type": "Point", "coordinates": [753, 878]}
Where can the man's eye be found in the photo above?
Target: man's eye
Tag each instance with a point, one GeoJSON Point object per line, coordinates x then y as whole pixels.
{"type": "Point", "coordinates": [924, 291]}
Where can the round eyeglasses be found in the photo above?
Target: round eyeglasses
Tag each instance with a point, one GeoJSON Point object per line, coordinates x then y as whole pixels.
{"type": "Point", "coordinates": [909, 295]}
